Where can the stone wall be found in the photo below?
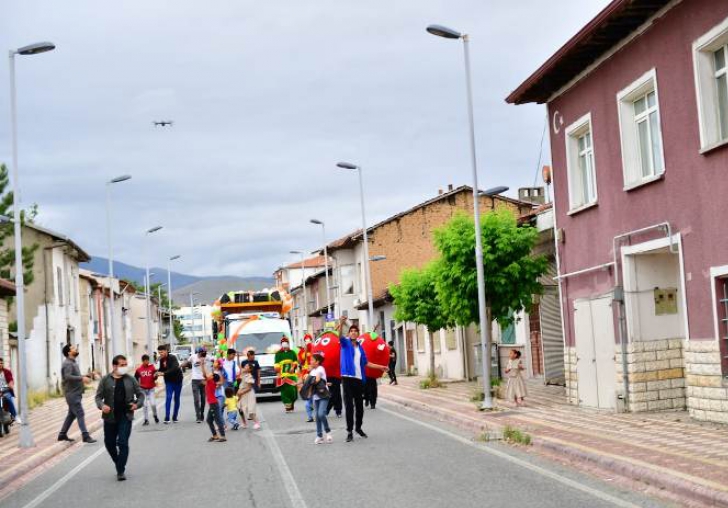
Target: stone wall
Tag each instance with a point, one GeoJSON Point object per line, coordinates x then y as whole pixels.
{"type": "Point", "coordinates": [707, 390]}
{"type": "Point", "coordinates": [572, 380]}
{"type": "Point", "coordinates": [655, 375]}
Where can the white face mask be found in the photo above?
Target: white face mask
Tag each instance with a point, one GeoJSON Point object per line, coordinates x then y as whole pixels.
{"type": "Point", "coordinates": [122, 370]}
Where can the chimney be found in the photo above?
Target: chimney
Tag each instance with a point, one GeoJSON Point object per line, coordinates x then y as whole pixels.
{"type": "Point", "coordinates": [449, 187]}
{"type": "Point", "coordinates": [439, 192]}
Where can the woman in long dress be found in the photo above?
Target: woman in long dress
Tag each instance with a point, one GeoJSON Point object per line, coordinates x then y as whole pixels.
{"type": "Point", "coordinates": [516, 388]}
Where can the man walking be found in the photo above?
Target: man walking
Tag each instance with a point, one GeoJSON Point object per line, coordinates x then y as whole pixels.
{"type": "Point", "coordinates": [118, 396]}
{"type": "Point", "coordinates": [353, 364]}
{"type": "Point", "coordinates": [73, 383]}
{"type": "Point", "coordinates": [173, 377]}
{"type": "Point", "coordinates": [7, 390]}
{"type": "Point", "coordinates": [392, 364]}
{"type": "Point", "coordinates": [148, 383]}
{"type": "Point", "coordinates": [196, 362]}
{"type": "Point", "coordinates": [230, 365]}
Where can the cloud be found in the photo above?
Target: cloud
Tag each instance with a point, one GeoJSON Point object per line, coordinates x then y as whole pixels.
{"type": "Point", "coordinates": [266, 97]}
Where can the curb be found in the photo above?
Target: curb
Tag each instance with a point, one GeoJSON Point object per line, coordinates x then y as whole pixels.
{"type": "Point", "coordinates": [674, 485]}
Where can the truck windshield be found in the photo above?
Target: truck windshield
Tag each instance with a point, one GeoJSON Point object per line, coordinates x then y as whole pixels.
{"type": "Point", "coordinates": [259, 341]}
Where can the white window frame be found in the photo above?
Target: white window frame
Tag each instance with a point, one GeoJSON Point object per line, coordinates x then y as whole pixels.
{"type": "Point", "coordinates": [629, 132]}
{"type": "Point", "coordinates": [573, 133]}
{"type": "Point", "coordinates": [705, 86]}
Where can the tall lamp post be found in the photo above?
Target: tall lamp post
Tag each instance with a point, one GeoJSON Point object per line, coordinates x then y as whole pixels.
{"type": "Point", "coordinates": [449, 33]}
{"type": "Point", "coordinates": [148, 290]}
{"type": "Point", "coordinates": [26, 435]}
{"type": "Point", "coordinates": [367, 273]}
{"type": "Point", "coordinates": [303, 287]}
{"type": "Point", "coordinates": [172, 337]}
{"type": "Point", "coordinates": [159, 312]}
{"type": "Point", "coordinates": [112, 311]}
{"type": "Point", "coordinates": [326, 263]}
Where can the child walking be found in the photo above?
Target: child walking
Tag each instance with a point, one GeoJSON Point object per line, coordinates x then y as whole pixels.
{"type": "Point", "coordinates": [214, 412]}
{"type": "Point", "coordinates": [516, 389]}
{"type": "Point", "coordinates": [148, 383]}
{"type": "Point", "coordinates": [320, 399]}
{"type": "Point", "coordinates": [247, 404]}
{"type": "Point", "coordinates": [231, 406]}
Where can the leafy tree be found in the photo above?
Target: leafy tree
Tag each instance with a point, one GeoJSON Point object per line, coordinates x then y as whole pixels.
{"type": "Point", "coordinates": [511, 272]}
{"type": "Point", "coordinates": [416, 300]}
{"type": "Point", "coordinates": [7, 255]}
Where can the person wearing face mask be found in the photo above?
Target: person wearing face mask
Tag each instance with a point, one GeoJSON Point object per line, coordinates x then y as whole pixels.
{"type": "Point", "coordinates": [118, 396]}
{"type": "Point", "coordinates": [353, 364]}
{"type": "Point", "coordinates": [73, 384]}
{"type": "Point", "coordinates": [286, 364]}
{"type": "Point", "coordinates": [305, 355]}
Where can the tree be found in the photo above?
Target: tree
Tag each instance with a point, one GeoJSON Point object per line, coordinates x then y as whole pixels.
{"type": "Point", "coordinates": [416, 300]}
{"type": "Point", "coordinates": [7, 255]}
{"type": "Point", "coordinates": [511, 272]}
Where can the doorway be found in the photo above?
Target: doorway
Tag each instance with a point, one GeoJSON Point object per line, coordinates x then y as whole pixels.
{"type": "Point", "coordinates": [595, 352]}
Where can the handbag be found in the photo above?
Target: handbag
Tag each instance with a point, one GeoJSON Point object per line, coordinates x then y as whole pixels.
{"type": "Point", "coordinates": [307, 388]}
{"type": "Point", "coordinates": [322, 389]}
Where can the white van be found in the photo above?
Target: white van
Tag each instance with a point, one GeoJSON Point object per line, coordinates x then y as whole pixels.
{"type": "Point", "coordinates": [261, 331]}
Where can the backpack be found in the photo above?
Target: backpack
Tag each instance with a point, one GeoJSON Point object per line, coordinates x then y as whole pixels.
{"type": "Point", "coordinates": [308, 388]}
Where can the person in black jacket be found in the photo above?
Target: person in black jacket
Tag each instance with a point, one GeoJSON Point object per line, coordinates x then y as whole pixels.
{"type": "Point", "coordinates": [392, 364]}
{"type": "Point", "coordinates": [173, 377]}
{"type": "Point", "coordinates": [118, 396]}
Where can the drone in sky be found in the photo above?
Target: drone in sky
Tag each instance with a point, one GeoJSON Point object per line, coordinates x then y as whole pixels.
{"type": "Point", "coordinates": [163, 123]}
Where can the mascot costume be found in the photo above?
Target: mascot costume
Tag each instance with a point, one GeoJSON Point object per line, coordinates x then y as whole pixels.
{"type": "Point", "coordinates": [328, 344]}
{"type": "Point", "coordinates": [377, 351]}
{"type": "Point", "coordinates": [304, 363]}
{"type": "Point", "coordinates": [286, 364]}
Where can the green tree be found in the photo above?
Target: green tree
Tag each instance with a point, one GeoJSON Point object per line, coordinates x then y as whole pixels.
{"type": "Point", "coordinates": [7, 255]}
{"type": "Point", "coordinates": [417, 301]}
{"type": "Point", "coordinates": [511, 272]}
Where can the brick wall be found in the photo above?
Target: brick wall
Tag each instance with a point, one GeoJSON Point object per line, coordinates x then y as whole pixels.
{"type": "Point", "coordinates": [570, 375]}
{"type": "Point", "coordinates": [707, 391]}
{"type": "Point", "coordinates": [655, 375]}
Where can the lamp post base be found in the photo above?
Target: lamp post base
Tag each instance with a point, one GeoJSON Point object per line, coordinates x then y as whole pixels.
{"type": "Point", "coordinates": [26, 436]}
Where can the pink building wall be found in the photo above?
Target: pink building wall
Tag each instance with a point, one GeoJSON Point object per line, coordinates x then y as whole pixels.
{"type": "Point", "coordinates": [692, 194]}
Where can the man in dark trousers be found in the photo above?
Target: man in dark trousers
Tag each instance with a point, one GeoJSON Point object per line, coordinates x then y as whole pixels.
{"type": "Point", "coordinates": [392, 364]}
{"type": "Point", "coordinates": [353, 364]}
{"type": "Point", "coordinates": [118, 396]}
{"type": "Point", "coordinates": [73, 383]}
{"type": "Point", "coordinates": [173, 377]}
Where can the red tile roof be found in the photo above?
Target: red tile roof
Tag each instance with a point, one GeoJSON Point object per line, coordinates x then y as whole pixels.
{"type": "Point", "coordinates": [313, 262]}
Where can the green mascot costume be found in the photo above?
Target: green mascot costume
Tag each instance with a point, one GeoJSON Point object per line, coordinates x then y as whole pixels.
{"type": "Point", "coordinates": [286, 365]}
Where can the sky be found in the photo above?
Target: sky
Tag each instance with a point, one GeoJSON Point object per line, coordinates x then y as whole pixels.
{"type": "Point", "coordinates": [265, 97]}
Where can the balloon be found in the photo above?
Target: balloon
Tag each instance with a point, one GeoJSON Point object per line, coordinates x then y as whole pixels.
{"type": "Point", "coordinates": [328, 344]}
{"type": "Point", "coordinates": [377, 351]}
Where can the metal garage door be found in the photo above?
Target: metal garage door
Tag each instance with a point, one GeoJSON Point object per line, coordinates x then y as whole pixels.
{"type": "Point", "coordinates": [552, 338]}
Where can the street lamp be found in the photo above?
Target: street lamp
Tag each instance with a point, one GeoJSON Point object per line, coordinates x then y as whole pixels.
{"type": "Point", "coordinates": [449, 33]}
{"type": "Point", "coordinates": [112, 310]}
{"type": "Point", "coordinates": [326, 263]}
{"type": "Point", "coordinates": [148, 288]}
{"type": "Point", "coordinates": [377, 258]}
{"type": "Point", "coordinates": [303, 286]}
{"type": "Point", "coordinates": [367, 274]}
{"type": "Point", "coordinates": [172, 337]}
{"type": "Point", "coordinates": [26, 435]}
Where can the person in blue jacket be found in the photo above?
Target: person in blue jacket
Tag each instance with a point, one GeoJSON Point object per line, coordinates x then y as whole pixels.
{"type": "Point", "coordinates": [353, 363]}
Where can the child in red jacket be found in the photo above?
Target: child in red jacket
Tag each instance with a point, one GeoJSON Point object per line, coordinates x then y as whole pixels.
{"type": "Point", "coordinates": [148, 383]}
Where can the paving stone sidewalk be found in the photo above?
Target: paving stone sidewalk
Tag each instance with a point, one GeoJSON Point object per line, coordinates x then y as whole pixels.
{"type": "Point", "coordinates": [666, 450]}
{"type": "Point", "coordinates": [19, 465]}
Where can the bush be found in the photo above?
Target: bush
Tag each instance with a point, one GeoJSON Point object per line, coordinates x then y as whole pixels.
{"type": "Point", "coordinates": [516, 436]}
{"type": "Point", "coordinates": [431, 381]}
{"type": "Point", "coordinates": [37, 399]}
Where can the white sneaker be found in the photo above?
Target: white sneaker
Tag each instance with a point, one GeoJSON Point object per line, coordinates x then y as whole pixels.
{"type": "Point", "coordinates": [319, 440]}
{"type": "Point", "coordinates": [329, 438]}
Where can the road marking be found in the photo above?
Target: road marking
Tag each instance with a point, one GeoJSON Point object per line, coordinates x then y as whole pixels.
{"type": "Point", "coordinates": [294, 494]}
{"type": "Point", "coordinates": [520, 462]}
{"type": "Point", "coordinates": [73, 472]}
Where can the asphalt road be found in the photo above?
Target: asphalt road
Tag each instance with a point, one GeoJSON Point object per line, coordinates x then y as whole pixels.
{"type": "Point", "coordinates": [407, 461]}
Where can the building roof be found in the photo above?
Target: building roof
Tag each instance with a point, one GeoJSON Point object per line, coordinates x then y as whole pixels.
{"type": "Point", "coordinates": [82, 255]}
{"type": "Point", "coordinates": [613, 24]}
{"type": "Point", "coordinates": [351, 239]}
{"type": "Point", "coordinates": [313, 262]}
{"type": "Point", "coordinates": [382, 298]}
{"type": "Point", "coordinates": [7, 288]}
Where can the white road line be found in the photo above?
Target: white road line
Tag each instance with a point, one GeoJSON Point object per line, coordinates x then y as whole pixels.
{"type": "Point", "coordinates": [73, 472]}
{"type": "Point", "coordinates": [294, 494]}
{"type": "Point", "coordinates": [515, 460]}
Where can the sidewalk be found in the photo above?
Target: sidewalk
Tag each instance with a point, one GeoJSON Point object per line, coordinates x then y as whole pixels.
{"type": "Point", "coordinates": [683, 459]}
{"type": "Point", "coordinates": [19, 465]}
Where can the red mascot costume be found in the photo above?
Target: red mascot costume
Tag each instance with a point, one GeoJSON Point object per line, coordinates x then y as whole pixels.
{"type": "Point", "coordinates": [328, 344]}
{"type": "Point", "coordinates": [377, 351]}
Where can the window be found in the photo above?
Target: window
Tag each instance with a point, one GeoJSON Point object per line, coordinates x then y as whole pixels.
{"type": "Point", "coordinates": [580, 164]}
{"type": "Point", "coordinates": [347, 279]}
{"type": "Point", "coordinates": [59, 282]}
{"type": "Point", "coordinates": [722, 292]}
{"type": "Point", "coordinates": [639, 126]}
{"type": "Point", "coordinates": [450, 339]}
{"type": "Point", "coordinates": [710, 64]}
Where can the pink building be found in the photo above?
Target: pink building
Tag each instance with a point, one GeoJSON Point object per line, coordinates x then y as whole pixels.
{"type": "Point", "coordinates": [638, 108]}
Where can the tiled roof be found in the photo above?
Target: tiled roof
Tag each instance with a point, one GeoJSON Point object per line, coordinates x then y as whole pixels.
{"type": "Point", "coordinates": [313, 262]}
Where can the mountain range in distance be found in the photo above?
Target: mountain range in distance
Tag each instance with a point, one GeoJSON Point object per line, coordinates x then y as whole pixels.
{"type": "Point", "coordinates": [209, 289]}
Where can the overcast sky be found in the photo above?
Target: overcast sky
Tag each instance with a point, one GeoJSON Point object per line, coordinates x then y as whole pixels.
{"type": "Point", "coordinates": [266, 97]}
